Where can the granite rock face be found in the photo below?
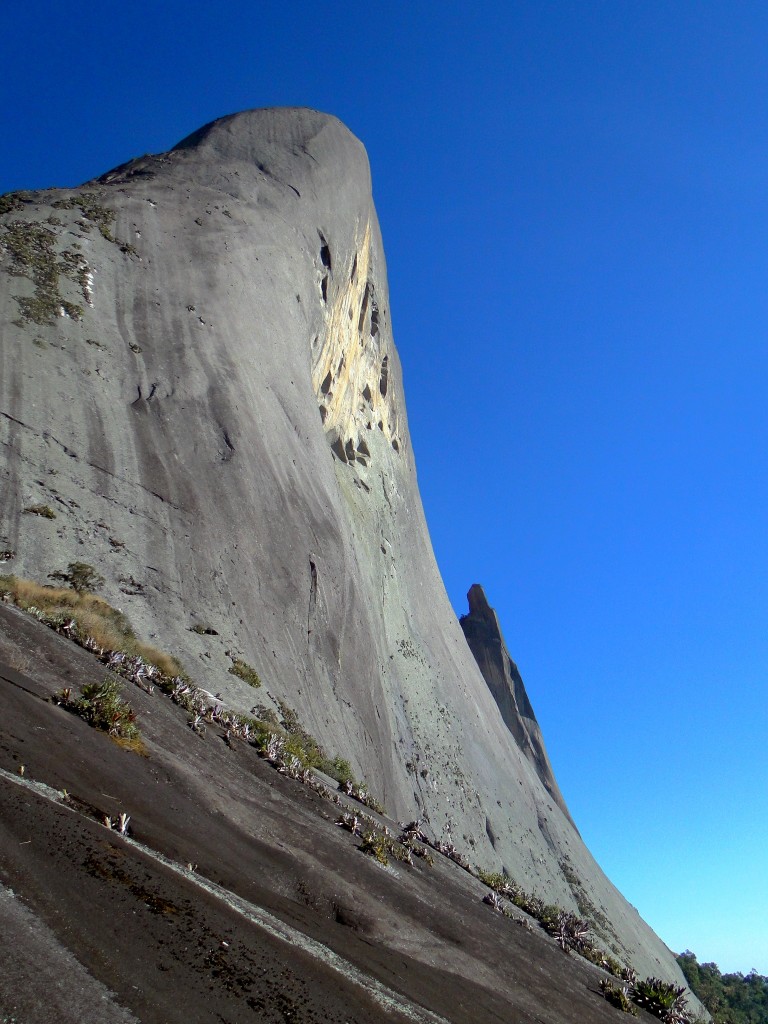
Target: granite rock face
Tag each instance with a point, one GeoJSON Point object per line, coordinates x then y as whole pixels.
{"type": "Point", "coordinates": [483, 632]}
{"type": "Point", "coordinates": [198, 380]}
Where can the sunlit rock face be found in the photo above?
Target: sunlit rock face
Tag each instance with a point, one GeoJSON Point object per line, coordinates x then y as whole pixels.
{"type": "Point", "coordinates": [350, 369]}
{"type": "Point", "coordinates": [198, 379]}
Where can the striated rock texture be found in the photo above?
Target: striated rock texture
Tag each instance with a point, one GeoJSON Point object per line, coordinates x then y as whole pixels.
{"type": "Point", "coordinates": [483, 632]}
{"type": "Point", "coordinates": [198, 380]}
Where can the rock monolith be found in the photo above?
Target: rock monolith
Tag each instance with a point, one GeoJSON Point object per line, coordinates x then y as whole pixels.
{"type": "Point", "coordinates": [200, 397]}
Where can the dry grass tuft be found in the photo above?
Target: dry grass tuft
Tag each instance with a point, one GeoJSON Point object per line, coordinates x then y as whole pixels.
{"type": "Point", "coordinates": [167, 664]}
{"type": "Point", "coordinates": [93, 617]}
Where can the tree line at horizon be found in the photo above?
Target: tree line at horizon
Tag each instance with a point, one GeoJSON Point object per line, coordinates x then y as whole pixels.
{"type": "Point", "coordinates": [730, 998]}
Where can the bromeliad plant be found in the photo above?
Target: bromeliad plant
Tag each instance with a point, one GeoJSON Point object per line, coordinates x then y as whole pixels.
{"type": "Point", "coordinates": [618, 996]}
{"type": "Point", "coordinates": [661, 998]}
{"type": "Point", "coordinates": [570, 931]}
{"type": "Point", "coordinates": [101, 706]}
{"type": "Point", "coordinates": [378, 842]}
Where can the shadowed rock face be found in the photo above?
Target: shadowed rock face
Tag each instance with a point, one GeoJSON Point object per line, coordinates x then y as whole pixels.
{"type": "Point", "coordinates": [483, 632]}
{"type": "Point", "coordinates": [198, 378]}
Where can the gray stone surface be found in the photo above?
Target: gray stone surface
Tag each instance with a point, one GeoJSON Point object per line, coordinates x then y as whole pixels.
{"type": "Point", "coordinates": [223, 435]}
{"type": "Point", "coordinates": [41, 982]}
{"type": "Point", "coordinates": [483, 632]}
{"type": "Point", "coordinates": [282, 918]}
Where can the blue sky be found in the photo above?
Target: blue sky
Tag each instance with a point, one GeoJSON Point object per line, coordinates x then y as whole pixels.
{"type": "Point", "coordinates": [574, 201]}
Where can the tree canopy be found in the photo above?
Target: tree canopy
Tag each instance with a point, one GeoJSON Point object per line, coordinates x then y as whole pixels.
{"type": "Point", "coordinates": [730, 998]}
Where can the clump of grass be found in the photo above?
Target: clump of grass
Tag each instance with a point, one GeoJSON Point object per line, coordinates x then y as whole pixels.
{"type": "Point", "coordinates": [82, 615]}
{"type": "Point", "coordinates": [40, 510]}
{"type": "Point", "coordinates": [166, 663]}
{"type": "Point", "coordinates": [243, 670]}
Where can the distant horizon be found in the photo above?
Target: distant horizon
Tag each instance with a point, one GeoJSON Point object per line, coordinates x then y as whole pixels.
{"type": "Point", "coordinates": [574, 213]}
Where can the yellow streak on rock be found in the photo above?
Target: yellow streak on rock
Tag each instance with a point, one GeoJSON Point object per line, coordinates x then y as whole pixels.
{"type": "Point", "coordinates": [347, 374]}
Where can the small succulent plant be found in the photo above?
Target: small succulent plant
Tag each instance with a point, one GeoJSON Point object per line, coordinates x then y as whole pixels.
{"type": "Point", "coordinates": [618, 996]}
{"type": "Point", "coordinates": [570, 931]}
{"type": "Point", "coordinates": [493, 900]}
{"type": "Point", "coordinates": [661, 998]}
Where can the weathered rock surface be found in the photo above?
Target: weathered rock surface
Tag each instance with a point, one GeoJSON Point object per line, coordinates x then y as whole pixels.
{"type": "Point", "coordinates": [198, 378]}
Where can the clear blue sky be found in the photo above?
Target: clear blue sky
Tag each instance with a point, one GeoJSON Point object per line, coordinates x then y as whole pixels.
{"type": "Point", "coordinates": [574, 200]}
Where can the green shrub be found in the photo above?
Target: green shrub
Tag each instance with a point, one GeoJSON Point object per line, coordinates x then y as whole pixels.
{"type": "Point", "coordinates": [31, 248]}
{"type": "Point", "coordinates": [359, 791]}
{"type": "Point", "coordinates": [338, 769]}
{"type": "Point", "coordinates": [90, 207]}
{"type": "Point", "coordinates": [302, 745]}
{"type": "Point", "coordinates": [267, 715]}
{"type": "Point", "coordinates": [244, 671]}
{"type": "Point", "coordinates": [40, 510]}
{"type": "Point", "coordinates": [493, 879]}
{"type": "Point", "coordinates": [375, 845]}
{"type": "Point", "coordinates": [381, 846]}
{"type": "Point", "coordinates": [11, 201]}
{"type": "Point", "coordinates": [80, 576]}
{"type": "Point", "coordinates": [299, 742]}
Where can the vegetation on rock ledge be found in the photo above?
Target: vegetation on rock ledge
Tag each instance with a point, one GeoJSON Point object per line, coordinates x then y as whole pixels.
{"type": "Point", "coordinates": [85, 618]}
{"type": "Point", "coordinates": [243, 671]}
{"type": "Point", "coordinates": [101, 705]}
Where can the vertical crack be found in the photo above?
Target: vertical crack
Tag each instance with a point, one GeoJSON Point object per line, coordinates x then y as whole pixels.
{"type": "Point", "coordinates": [312, 595]}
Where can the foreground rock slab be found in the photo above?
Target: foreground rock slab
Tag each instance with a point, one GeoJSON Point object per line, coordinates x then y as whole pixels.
{"type": "Point", "coordinates": [281, 917]}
